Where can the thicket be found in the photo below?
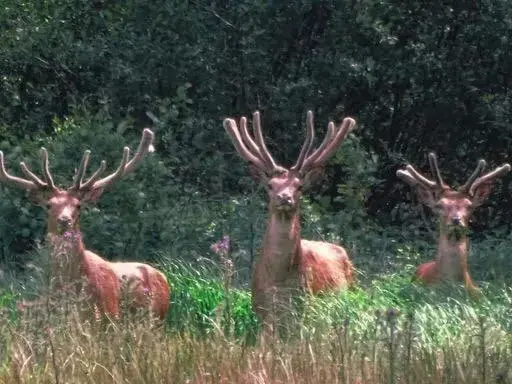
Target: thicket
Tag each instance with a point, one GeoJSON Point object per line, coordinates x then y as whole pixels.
{"type": "Point", "coordinates": [417, 76]}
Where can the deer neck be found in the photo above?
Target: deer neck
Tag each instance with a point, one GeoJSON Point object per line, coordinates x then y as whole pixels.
{"type": "Point", "coordinates": [281, 248]}
{"type": "Point", "coordinates": [67, 254]}
{"type": "Point", "coordinates": [452, 254]}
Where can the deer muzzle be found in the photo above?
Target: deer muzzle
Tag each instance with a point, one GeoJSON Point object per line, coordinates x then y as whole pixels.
{"type": "Point", "coordinates": [457, 228]}
{"type": "Point", "coordinates": [284, 201]}
{"type": "Point", "coordinates": [64, 223]}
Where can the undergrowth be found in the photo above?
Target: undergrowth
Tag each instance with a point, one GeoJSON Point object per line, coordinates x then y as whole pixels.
{"type": "Point", "coordinates": [388, 330]}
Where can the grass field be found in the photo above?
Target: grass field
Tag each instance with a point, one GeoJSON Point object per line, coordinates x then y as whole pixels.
{"type": "Point", "coordinates": [386, 331]}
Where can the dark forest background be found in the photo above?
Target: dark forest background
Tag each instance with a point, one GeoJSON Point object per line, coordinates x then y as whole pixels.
{"type": "Point", "coordinates": [416, 75]}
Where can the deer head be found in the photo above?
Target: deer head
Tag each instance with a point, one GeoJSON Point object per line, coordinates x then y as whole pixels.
{"type": "Point", "coordinates": [63, 205]}
{"type": "Point", "coordinates": [453, 207]}
{"type": "Point", "coordinates": [285, 185]}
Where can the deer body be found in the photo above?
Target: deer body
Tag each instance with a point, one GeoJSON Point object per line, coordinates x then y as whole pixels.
{"type": "Point", "coordinates": [288, 263]}
{"type": "Point", "coordinates": [453, 208]}
{"type": "Point", "coordinates": [277, 270]}
{"type": "Point", "coordinates": [451, 263]}
{"type": "Point", "coordinates": [145, 286]}
{"type": "Point", "coordinates": [71, 261]}
{"type": "Point", "coordinates": [330, 263]}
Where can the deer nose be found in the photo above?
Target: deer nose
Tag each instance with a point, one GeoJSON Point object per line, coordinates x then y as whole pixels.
{"type": "Point", "coordinates": [456, 220]}
{"type": "Point", "coordinates": [284, 199]}
{"type": "Point", "coordinates": [64, 221]}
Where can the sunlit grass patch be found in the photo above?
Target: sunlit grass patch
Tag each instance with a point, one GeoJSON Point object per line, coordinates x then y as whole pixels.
{"type": "Point", "coordinates": [390, 331]}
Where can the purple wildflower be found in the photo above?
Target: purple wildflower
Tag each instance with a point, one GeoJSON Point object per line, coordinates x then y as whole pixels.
{"type": "Point", "coordinates": [222, 246]}
{"type": "Point", "coordinates": [71, 235]}
{"type": "Point", "coordinates": [392, 313]}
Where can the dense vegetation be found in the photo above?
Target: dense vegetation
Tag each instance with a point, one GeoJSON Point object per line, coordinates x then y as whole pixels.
{"type": "Point", "coordinates": [417, 76]}
{"type": "Point", "coordinates": [90, 74]}
{"type": "Point", "coordinates": [389, 332]}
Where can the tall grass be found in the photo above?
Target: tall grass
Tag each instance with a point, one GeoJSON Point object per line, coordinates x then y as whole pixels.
{"type": "Point", "coordinates": [389, 332]}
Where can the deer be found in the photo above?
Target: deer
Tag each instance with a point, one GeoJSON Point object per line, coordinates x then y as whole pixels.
{"type": "Point", "coordinates": [287, 262]}
{"type": "Point", "coordinates": [453, 208]}
{"type": "Point", "coordinates": [106, 282]}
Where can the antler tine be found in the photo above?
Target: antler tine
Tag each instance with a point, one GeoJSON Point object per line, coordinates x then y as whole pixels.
{"type": "Point", "coordinates": [31, 175]}
{"type": "Point", "coordinates": [48, 180]}
{"type": "Point", "coordinates": [500, 171]}
{"type": "Point", "coordinates": [479, 168]}
{"type": "Point", "coordinates": [46, 169]}
{"type": "Point", "coordinates": [331, 130]}
{"type": "Point", "coordinates": [146, 142]}
{"type": "Point", "coordinates": [308, 143]}
{"type": "Point", "coordinates": [347, 126]}
{"type": "Point", "coordinates": [106, 181]}
{"type": "Point", "coordinates": [232, 130]}
{"type": "Point", "coordinates": [80, 173]}
{"type": "Point", "coordinates": [16, 181]}
{"type": "Point", "coordinates": [328, 147]}
{"type": "Point", "coordinates": [94, 177]}
{"type": "Point", "coordinates": [246, 137]}
{"type": "Point", "coordinates": [145, 146]}
{"type": "Point", "coordinates": [434, 168]}
{"type": "Point", "coordinates": [266, 157]}
{"type": "Point", "coordinates": [412, 177]}
{"type": "Point", "coordinates": [406, 176]}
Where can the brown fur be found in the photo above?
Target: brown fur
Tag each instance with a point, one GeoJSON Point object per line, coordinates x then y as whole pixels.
{"type": "Point", "coordinates": [287, 262]}
{"type": "Point", "coordinates": [146, 287]}
{"type": "Point", "coordinates": [453, 208]}
{"type": "Point", "coordinates": [451, 262]}
{"type": "Point", "coordinates": [102, 283]}
{"type": "Point", "coordinates": [330, 263]}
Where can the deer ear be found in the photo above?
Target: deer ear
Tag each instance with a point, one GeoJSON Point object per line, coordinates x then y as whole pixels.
{"type": "Point", "coordinates": [312, 176]}
{"type": "Point", "coordinates": [427, 196]}
{"type": "Point", "coordinates": [481, 194]}
{"type": "Point", "coordinates": [92, 196]}
{"type": "Point", "coordinates": [258, 175]}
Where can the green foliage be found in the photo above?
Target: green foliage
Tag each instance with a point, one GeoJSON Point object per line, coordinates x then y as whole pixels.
{"type": "Point", "coordinates": [144, 215]}
{"type": "Point", "coordinates": [390, 329]}
{"type": "Point", "coordinates": [417, 77]}
{"type": "Point", "coordinates": [198, 302]}
{"type": "Point", "coordinates": [86, 74]}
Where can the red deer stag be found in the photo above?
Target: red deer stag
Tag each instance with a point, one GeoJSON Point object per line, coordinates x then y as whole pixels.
{"type": "Point", "coordinates": [453, 208]}
{"type": "Point", "coordinates": [145, 285]}
{"type": "Point", "coordinates": [288, 262]}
